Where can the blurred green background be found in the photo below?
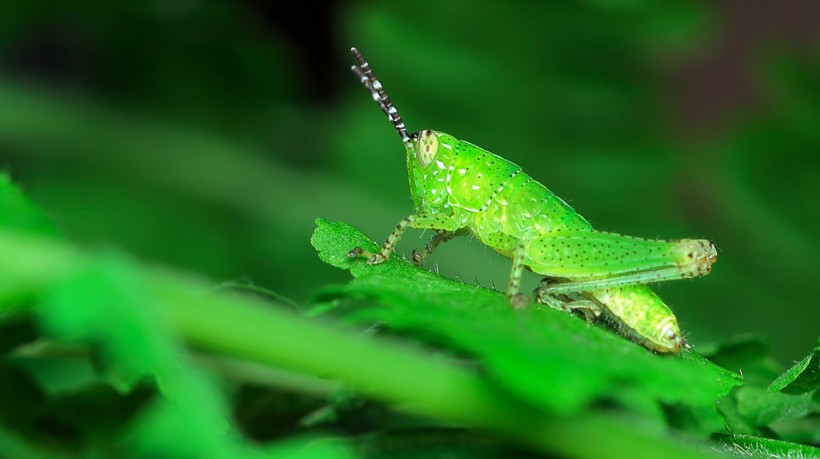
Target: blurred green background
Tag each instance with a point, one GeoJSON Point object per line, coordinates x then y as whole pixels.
{"type": "Point", "coordinates": [208, 136]}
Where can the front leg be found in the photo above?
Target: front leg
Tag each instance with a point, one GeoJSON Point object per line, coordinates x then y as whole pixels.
{"type": "Point", "coordinates": [517, 298]}
{"type": "Point", "coordinates": [387, 247]}
{"type": "Point", "coordinates": [443, 223]}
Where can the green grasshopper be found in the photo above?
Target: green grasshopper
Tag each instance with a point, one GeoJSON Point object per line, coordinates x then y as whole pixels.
{"type": "Point", "coordinates": [458, 188]}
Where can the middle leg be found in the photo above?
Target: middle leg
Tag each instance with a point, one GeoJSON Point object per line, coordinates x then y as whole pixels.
{"type": "Point", "coordinates": [440, 237]}
{"type": "Point", "coordinates": [517, 298]}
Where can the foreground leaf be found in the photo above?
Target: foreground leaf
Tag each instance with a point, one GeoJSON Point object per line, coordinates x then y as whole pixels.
{"type": "Point", "coordinates": [549, 358]}
{"type": "Point", "coordinates": [16, 212]}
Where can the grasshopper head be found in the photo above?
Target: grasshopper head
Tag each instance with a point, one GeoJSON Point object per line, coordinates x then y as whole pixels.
{"type": "Point", "coordinates": [425, 146]}
{"type": "Point", "coordinates": [421, 145]}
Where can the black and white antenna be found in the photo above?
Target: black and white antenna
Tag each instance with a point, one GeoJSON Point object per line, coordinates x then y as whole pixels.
{"type": "Point", "coordinates": [372, 84]}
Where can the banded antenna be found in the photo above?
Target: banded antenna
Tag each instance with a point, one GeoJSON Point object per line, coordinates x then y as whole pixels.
{"type": "Point", "coordinates": [372, 84]}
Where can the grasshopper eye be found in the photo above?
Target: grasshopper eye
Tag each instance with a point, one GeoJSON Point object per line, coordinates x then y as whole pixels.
{"type": "Point", "coordinates": [427, 147]}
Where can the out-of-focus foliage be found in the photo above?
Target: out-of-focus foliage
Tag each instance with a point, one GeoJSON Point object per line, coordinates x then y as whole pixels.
{"type": "Point", "coordinates": [540, 378]}
{"type": "Point", "coordinates": [195, 135]}
{"type": "Point", "coordinates": [188, 132]}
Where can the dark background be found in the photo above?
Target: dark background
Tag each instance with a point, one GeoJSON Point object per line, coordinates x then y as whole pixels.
{"type": "Point", "coordinates": [209, 135]}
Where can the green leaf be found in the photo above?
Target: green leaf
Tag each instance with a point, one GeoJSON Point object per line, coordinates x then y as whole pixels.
{"type": "Point", "coordinates": [15, 329]}
{"type": "Point", "coordinates": [308, 448]}
{"type": "Point", "coordinates": [549, 358]}
{"type": "Point", "coordinates": [748, 356]}
{"type": "Point", "coordinates": [805, 430]}
{"type": "Point", "coordinates": [107, 303]}
{"type": "Point", "coordinates": [753, 410]}
{"type": "Point", "coordinates": [12, 446]}
{"type": "Point", "coordinates": [803, 377]}
{"type": "Point", "coordinates": [20, 397]}
{"type": "Point", "coordinates": [95, 413]}
{"type": "Point", "coordinates": [57, 369]}
{"type": "Point", "coordinates": [751, 446]}
{"type": "Point", "coordinates": [434, 443]}
{"type": "Point", "coordinates": [762, 408]}
{"type": "Point", "coordinates": [16, 212]}
{"type": "Point", "coordinates": [736, 423]}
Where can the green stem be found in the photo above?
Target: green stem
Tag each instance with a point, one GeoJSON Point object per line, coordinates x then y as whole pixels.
{"type": "Point", "coordinates": [408, 379]}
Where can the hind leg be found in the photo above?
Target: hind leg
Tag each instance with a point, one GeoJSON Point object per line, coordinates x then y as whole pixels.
{"type": "Point", "coordinates": [590, 309]}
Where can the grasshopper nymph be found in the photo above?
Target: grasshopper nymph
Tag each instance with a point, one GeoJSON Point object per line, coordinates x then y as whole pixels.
{"type": "Point", "coordinates": [459, 188]}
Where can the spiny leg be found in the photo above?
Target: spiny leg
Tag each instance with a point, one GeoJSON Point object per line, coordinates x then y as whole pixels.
{"type": "Point", "coordinates": [514, 294]}
{"type": "Point", "coordinates": [387, 247]}
{"type": "Point", "coordinates": [438, 222]}
{"type": "Point", "coordinates": [438, 238]}
{"type": "Point", "coordinates": [595, 260]}
{"type": "Point", "coordinates": [620, 280]}
{"type": "Point", "coordinates": [590, 309]}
